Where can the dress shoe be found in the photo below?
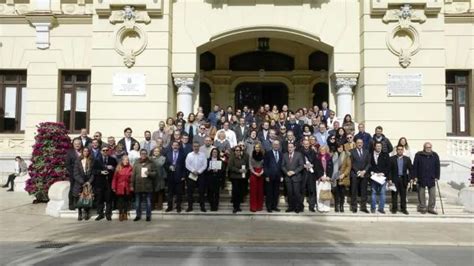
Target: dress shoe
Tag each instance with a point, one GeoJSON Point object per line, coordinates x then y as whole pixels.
{"type": "Point", "coordinates": [148, 219]}
{"type": "Point", "coordinates": [138, 218]}
{"type": "Point", "coordinates": [10, 190]}
{"type": "Point", "coordinates": [213, 209]}
{"type": "Point", "coordinates": [336, 210]}
{"type": "Point", "coordinates": [79, 216]}
{"type": "Point", "coordinates": [289, 210]}
{"type": "Point", "coordinates": [203, 209]}
{"type": "Point", "coordinates": [239, 209]}
{"type": "Point", "coordinates": [393, 211]}
{"type": "Point", "coordinates": [382, 211]}
{"type": "Point", "coordinates": [405, 212]}
{"type": "Point", "coordinates": [354, 211]}
{"type": "Point", "coordinates": [372, 210]}
{"type": "Point", "coordinates": [269, 210]}
{"type": "Point", "coordinates": [364, 210]}
{"type": "Point", "coordinates": [311, 209]}
{"type": "Point", "coordinates": [108, 217]}
{"type": "Point", "coordinates": [297, 211]}
{"type": "Point", "coordinates": [234, 211]}
{"type": "Point", "coordinates": [168, 209]}
{"type": "Point", "coordinates": [276, 209]}
{"type": "Point", "coordinates": [100, 217]}
{"type": "Point", "coordinates": [178, 210]}
{"type": "Point", "coordinates": [433, 212]}
{"type": "Point", "coordinates": [422, 211]}
{"type": "Point", "coordinates": [189, 209]}
{"type": "Point", "coordinates": [4, 186]}
{"type": "Point", "coordinates": [87, 216]}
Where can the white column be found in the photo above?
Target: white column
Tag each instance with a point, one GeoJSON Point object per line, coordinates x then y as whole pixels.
{"type": "Point", "coordinates": [43, 5]}
{"type": "Point", "coordinates": [184, 95]}
{"type": "Point", "coordinates": [344, 86]}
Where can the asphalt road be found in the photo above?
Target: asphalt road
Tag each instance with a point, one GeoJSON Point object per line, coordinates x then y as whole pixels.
{"type": "Point", "coordinates": [44, 253]}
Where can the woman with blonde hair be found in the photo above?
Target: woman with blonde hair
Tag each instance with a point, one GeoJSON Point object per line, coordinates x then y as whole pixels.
{"type": "Point", "coordinates": [121, 186]}
{"type": "Point", "coordinates": [159, 159]}
{"type": "Point", "coordinates": [324, 183]}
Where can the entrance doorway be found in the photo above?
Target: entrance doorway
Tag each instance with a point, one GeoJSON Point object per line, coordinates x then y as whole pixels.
{"type": "Point", "coordinates": [255, 94]}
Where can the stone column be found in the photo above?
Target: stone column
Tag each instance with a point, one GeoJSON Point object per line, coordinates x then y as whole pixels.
{"type": "Point", "coordinates": [344, 85]}
{"type": "Point", "coordinates": [184, 95]}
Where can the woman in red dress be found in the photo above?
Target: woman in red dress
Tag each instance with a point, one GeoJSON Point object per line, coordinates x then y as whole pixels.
{"type": "Point", "coordinates": [256, 178]}
{"type": "Point", "coordinates": [121, 187]}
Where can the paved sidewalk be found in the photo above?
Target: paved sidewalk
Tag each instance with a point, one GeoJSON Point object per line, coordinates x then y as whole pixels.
{"type": "Point", "coordinates": [22, 221]}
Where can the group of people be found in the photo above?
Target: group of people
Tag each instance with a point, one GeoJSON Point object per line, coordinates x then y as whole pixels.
{"type": "Point", "coordinates": [309, 153]}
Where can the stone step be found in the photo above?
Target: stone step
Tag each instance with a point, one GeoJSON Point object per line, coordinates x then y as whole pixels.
{"type": "Point", "coordinates": [331, 216]}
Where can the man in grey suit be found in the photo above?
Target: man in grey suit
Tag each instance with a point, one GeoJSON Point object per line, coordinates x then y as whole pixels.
{"type": "Point", "coordinates": [292, 167]}
{"type": "Point", "coordinates": [359, 176]}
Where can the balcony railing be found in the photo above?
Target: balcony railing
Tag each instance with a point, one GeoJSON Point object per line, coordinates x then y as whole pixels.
{"type": "Point", "coordinates": [460, 146]}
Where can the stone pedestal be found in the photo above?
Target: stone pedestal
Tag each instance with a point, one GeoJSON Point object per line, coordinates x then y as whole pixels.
{"type": "Point", "coordinates": [466, 197]}
{"type": "Point", "coordinates": [58, 198]}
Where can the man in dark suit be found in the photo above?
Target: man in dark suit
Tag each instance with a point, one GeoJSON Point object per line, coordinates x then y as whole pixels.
{"type": "Point", "coordinates": [186, 147]}
{"type": "Point", "coordinates": [292, 167]}
{"type": "Point", "coordinates": [127, 141]}
{"type": "Point", "coordinates": [264, 133]}
{"type": "Point", "coordinates": [103, 171]}
{"type": "Point", "coordinates": [379, 166]}
{"type": "Point", "coordinates": [359, 176]}
{"type": "Point", "coordinates": [85, 140]}
{"type": "Point", "coordinates": [241, 130]}
{"type": "Point", "coordinates": [312, 170]}
{"type": "Point", "coordinates": [273, 176]}
{"type": "Point", "coordinates": [71, 157]}
{"type": "Point", "coordinates": [400, 169]}
{"type": "Point", "coordinates": [293, 125]}
{"type": "Point", "coordinates": [290, 138]}
{"type": "Point", "coordinates": [176, 169]}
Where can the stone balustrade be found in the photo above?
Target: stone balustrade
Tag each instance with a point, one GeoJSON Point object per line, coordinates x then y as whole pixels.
{"type": "Point", "coordinates": [460, 146]}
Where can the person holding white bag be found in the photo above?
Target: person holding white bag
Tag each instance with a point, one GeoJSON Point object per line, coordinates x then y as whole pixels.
{"type": "Point", "coordinates": [324, 194]}
{"type": "Point", "coordinates": [380, 166]}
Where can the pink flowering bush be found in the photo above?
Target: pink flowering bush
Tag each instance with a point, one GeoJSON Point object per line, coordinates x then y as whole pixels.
{"type": "Point", "coordinates": [48, 160]}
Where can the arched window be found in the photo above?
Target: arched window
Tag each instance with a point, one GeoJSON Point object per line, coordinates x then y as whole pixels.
{"type": "Point", "coordinates": [321, 94]}
{"type": "Point", "coordinates": [268, 61]}
{"type": "Point", "coordinates": [318, 61]}
{"type": "Point", "coordinates": [205, 97]}
{"type": "Point", "coordinates": [207, 61]}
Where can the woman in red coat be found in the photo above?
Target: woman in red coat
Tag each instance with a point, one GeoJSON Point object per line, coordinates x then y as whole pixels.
{"type": "Point", "coordinates": [121, 186]}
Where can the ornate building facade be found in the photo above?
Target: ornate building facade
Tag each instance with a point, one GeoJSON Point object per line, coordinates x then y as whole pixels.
{"type": "Point", "coordinates": [108, 64]}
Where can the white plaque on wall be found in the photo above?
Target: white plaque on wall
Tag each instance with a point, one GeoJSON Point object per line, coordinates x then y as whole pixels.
{"type": "Point", "coordinates": [128, 84]}
{"type": "Point", "coordinates": [404, 84]}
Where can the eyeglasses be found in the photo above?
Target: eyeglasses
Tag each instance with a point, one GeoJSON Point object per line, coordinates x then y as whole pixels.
{"type": "Point", "coordinates": [282, 128]}
{"type": "Point", "coordinates": [106, 150]}
{"type": "Point", "coordinates": [202, 128]}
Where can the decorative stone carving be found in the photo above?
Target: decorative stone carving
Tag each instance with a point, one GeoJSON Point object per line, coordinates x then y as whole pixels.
{"type": "Point", "coordinates": [405, 16]}
{"type": "Point", "coordinates": [404, 41]}
{"type": "Point", "coordinates": [458, 7]}
{"type": "Point", "coordinates": [129, 16]}
{"type": "Point", "coordinates": [130, 39]}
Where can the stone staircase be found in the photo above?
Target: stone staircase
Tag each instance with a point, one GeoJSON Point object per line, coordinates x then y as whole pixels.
{"type": "Point", "coordinates": [452, 212]}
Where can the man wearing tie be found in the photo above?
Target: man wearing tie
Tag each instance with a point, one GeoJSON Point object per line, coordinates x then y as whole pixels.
{"type": "Point", "coordinates": [175, 167]}
{"type": "Point", "coordinates": [359, 176]}
{"type": "Point", "coordinates": [103, 171]}
{"type": "Point", "coordinates": [400, 168]}
{"type": "Point", "coordinates": [273, 176]}
{"type": "Point", "coordinates": [292, 165]}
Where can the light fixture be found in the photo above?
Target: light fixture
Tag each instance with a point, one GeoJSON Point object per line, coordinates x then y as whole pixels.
{"type": "Point", "coordinates": [263, 44]}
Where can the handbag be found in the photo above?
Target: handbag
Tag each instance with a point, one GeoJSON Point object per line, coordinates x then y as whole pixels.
{"type": "Point", "coordinates": [86, 198]}
{"type": "Point", "coordinates": [325, 192]}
